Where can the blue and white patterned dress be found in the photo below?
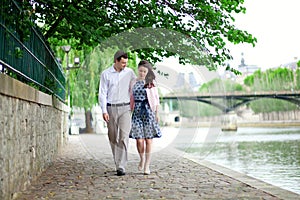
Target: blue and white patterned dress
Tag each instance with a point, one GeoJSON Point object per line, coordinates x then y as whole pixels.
{"type": "Point", "coordinates": [144, 124]}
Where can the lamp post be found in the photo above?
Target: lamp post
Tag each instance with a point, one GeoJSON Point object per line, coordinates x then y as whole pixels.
{"type": "Point", "coordinates": [67, 49]}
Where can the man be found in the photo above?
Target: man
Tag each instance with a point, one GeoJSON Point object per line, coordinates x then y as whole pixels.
{"type": "Point", "coordinates": [114, 100]}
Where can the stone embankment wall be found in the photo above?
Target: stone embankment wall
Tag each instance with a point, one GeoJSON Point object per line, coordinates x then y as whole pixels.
{"type": "Point", "coordinates": [281, 116]}
{"type": "Point", "coordinates": [33, 128]}
{"type": "Point", "coordinates": [245, 119]}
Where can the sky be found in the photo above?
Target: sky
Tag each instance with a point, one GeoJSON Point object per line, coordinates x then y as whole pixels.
{"type": "Point", "coordinates": [275, 24]}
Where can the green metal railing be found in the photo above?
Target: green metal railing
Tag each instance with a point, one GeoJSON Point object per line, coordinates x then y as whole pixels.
{"type": "Point", "coordinates": [30, 61]}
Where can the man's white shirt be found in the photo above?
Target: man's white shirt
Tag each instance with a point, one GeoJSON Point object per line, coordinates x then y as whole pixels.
{"type": "Point", "coordinates": [115, 86]}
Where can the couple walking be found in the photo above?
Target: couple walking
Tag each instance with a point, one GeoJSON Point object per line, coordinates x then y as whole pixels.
{"type": "Point", "coordinates": [121, 92]}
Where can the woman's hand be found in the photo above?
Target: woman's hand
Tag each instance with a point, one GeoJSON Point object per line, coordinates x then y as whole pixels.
{"type": "Point", "coordinates": [156, 116]}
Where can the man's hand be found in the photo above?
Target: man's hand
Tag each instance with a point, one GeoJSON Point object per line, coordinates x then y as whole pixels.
{"type": "Point", "coordinates": [105, 117]}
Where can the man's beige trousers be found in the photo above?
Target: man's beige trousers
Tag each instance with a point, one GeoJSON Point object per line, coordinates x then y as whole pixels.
{"type": "Point", "coordinates": [118, 133]}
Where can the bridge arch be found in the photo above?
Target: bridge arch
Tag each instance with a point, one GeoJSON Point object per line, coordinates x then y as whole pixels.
{"type": "Point", "coordinates": [237, 100]}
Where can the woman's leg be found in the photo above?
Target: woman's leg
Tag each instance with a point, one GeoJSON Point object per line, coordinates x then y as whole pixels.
{"type": "Point", "coordinates": [148, 156]}
{"type": "Point", "coordinates": [140, 144]}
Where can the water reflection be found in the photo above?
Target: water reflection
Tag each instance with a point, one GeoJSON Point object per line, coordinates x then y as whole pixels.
{"type": "Point", "coordinates": [272, 155]}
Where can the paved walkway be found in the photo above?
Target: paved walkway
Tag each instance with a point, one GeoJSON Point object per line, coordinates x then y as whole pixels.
{"type": "Point", "coordinates": [85, 170]}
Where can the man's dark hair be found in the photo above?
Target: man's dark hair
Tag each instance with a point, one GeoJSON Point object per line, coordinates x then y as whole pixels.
{"type": "Point", "coordinates": [120, 54]}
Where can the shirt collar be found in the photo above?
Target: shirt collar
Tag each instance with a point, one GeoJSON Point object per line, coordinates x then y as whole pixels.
{"type": "Point", "coordinates": [112, 69]}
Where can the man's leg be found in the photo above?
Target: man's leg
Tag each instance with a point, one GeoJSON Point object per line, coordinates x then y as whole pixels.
{"type": "Point", "coordinates": [124, 124]}
{"type": "Point", "coordinates": [112, 132]}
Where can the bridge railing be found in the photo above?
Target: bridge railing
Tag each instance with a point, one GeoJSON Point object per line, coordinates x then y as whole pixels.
{"type": "Point", "coordinates": [234, 99]}
{"type": "Point", "coordinates": [30, 61]}
{"type": "Point", "coordinates": [228, 94]}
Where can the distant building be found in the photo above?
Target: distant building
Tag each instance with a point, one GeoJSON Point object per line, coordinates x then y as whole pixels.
{"type": "Point", "coordinates": [245, 69]}
{"type": "Point", "coordinates": [190, 82]}
{"type": "Point", "coordinates": [180, 80]}
{"type": "Point", "coordinates": [291, 65]}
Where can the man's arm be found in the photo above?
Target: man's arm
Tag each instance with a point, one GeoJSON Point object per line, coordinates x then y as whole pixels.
{"type": "Point", "coordinates": [103, 88]}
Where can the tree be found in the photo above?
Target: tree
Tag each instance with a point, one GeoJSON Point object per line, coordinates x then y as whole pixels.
{"type": "Point", "coordinates": [208, 23]}
{"type": "Point", "coordinates": [280, 79]}
{"type": "Point", "coordinates": [186, 29]}
{"type": "Point", "coordinates": [84, 85]}
{"type": "Point", "coordinates": [271, 80]}
{"type": "Point", "coordinates": [218, 85]}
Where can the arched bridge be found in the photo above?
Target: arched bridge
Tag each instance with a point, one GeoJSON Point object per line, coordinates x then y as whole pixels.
{"type": "Point", "coordinates": [232, 100]}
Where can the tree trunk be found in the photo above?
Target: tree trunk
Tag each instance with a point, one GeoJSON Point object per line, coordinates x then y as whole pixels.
{"type": "Point", "coordinates": [88, 122]}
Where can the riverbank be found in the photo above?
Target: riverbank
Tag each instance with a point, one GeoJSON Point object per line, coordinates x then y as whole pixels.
{"type": "Point", "coordinates": [269, 124]}
{"type": "Point", "coordinates": [187, 124]}
{"type": "Point", "coordinates": [85, 170]}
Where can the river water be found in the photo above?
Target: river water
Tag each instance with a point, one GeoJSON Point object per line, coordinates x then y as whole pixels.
{"type": "Point", "coordinates": [268, 154]}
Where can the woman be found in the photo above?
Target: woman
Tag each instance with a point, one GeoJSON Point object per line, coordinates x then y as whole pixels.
{"type": "Point", "coordinates": [144, 103]}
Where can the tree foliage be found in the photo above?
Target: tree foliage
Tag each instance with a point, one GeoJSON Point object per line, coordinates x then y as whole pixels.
{"type": "Point", "coordinates": [221, 86]}
{"type": "Point", "coordinates": [194, 109]}
{"type": "Point", "coordinates": [271, 105]}
{"type": "Point", "coordinates": [273, 80]}
{"type": "Point", "coordinates": [198, 109]}
{"type": "Point", "coordinates": [85, 84]}
{"type": "Point", "coordinates": [208, 23]}
{"type": "Point", "coordinates": [280, 79]}
{"type": "Point", "coordinates": [151, 29]}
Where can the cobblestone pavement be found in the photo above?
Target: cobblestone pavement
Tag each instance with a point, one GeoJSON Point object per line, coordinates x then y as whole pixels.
{"type": "Point", "coordinates": [85, 170]}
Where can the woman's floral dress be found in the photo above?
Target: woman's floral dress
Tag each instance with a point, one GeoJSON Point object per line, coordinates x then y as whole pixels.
{"type": "Point", "coordinates": [144, 124]}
